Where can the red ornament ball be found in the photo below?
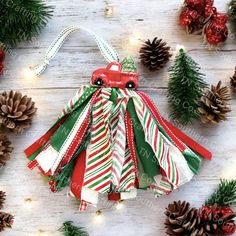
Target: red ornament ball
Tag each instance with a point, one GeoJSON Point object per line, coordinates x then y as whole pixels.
{"type": "Point", "coordinates": [216, 33]}
{"type": "Point", "coordinates": [190, 19]}
{"type": "Point", "coordinates": [195, 3]}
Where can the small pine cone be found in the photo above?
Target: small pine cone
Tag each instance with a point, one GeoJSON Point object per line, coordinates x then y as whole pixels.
{"type": "Point", "coordinates": [6, 220]}
{"type": "Point", "coordinates": [154, 54]}
{"type": "Point", "coordinates": [233, 80]}
{"type": "Point", "coordinates": [214, 104]}
{"type": "Point", "coordinates": [2, 198]}
{"type": "Point", "coordinates": [181, 218]}
{"type": "Point", "coordinates": [16, 111]}
{"type": "Point", "coordinates": [5, 150]}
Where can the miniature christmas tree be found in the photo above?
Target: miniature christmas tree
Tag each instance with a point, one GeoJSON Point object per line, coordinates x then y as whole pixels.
{"type": "Point", "coordinates": [185, 89]}
{"type": "Point", "coordinates": [128, 65]}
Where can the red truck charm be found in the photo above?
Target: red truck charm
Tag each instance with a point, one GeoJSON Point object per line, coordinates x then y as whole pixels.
{"type": "Point", "coordinates": [113, 76]}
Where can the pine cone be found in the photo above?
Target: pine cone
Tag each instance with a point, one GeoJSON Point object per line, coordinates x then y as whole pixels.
{"type": "Point", "coordinates": [5, 150]}
{"type": "Point", "coordinates": [233, 81]}
{"type": "Point", "coordinates": [154, 54]}
{"type": "Point", "coordinates": [181, 219]}
{"type": "Point", "coordinates": [16, 111]}
{"type": "Point", "coordinates": [2, 198]}
{"type": "Point", "coordinates": [214, 104]}
{"type": "Point", "coordinates": [6, 220]}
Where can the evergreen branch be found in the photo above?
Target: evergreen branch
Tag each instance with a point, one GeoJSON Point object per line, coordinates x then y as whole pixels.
{"type": "Point", "coordinates": [224, 195]}
{"type": "Point", "coordinates": [21, 20]}
{"type": "Point", "coordinates": [68, 229]}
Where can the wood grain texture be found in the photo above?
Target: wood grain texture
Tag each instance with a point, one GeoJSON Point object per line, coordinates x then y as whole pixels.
{"type": "Point", "coordinates": [72, 68]}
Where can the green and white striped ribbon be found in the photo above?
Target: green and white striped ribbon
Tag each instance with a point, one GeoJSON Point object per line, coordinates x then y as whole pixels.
{"type": "Point", "coordinates": [108, 52]}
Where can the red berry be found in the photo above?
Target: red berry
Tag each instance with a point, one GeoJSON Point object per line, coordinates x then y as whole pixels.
{"type": "Point", "coordinates": [2, 55]}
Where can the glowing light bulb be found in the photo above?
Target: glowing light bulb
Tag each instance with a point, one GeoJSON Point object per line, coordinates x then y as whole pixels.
{"type": "Point", "coordinates": [109, 10]}
{"type": "Point", "coordinates": [28, 202]}
{"type": "Point", "coordinates": [98, 216]}
{"type": "Point", "coordinates": [134, 40]}
{"type": "Point", "coordinates": [179, 46]}
{"type": "Point", "coordinates": [120, 205]}
{"type": "Point", "coordinates": [28, 73]}
{"type": "Point", "coordinates": [42, 233]}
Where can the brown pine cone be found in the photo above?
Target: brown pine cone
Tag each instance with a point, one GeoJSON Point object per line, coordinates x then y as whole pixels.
{"type": "Point", "coordinates": [5, 150]}
{"type": "Point", "coordinates": [233, 81]}
{"type": "Point", "coordinates": [6, 220]}
{"type": "Point", "coordinates": [181, 218]}
{"type": "Point", "coordinates": [214, 104]}
{"type": "Point", "coordinates": [154, 54]}
{"type": "Point", "coordinates": [2, 198]}
{"type": "Point", "coordinates": [16, 111]}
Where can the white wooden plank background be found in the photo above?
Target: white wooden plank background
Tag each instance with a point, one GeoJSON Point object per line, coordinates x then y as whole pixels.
{"type": "Point", "coordinates": [71, 69]}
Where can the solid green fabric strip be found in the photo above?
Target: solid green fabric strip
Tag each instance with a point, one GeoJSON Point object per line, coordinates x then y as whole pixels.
{"type": "Point", "coordinates": [63, 131]}
{"type": "Point", "coordinates": [64, 177]}
{"type": "Point", "coordinates": [144, 150]}
{"type": "Point", "coordinates": [193, 160]}
{"type": "Point", "coordinates": [144, 179]}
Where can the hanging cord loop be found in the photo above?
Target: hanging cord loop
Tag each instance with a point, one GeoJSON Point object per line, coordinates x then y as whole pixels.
{"type": "Point", "coordinates": [107, 51]}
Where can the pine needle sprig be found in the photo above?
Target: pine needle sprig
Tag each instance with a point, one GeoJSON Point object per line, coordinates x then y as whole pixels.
{"type": "Point", "coordinates": [224, 195]}
{"type": "Point", "coordinates": [68, 229]}
{"type": "Point", "coordinates": [21, 20]}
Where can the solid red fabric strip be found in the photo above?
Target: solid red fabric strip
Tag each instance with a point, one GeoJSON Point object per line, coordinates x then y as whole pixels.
{"type": "Point", "coordinates": [42, 140]}
{"type": "Point", "coordinates": [78, 175]}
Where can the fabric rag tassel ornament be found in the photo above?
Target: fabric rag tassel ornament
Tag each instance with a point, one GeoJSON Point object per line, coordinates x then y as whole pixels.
{"type": "Point", "coordinates": [111, 139]}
